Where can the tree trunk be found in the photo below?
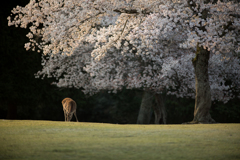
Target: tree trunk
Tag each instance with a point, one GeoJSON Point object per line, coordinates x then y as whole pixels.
{"type": "Point", "coordinates": [159, 109]}
{"type": "Point", "coordinates": [145, 111]}
{"type": "Point", "coordinates": [203, 92]}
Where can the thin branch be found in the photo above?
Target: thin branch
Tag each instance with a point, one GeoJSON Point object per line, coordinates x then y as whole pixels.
{"type": "Point", "coordinates": [122, 30]}
{"type": "Point", "coordinates": [90, 17]}
{"type": "Point", "coordinates": [235, 15]}
{"type": "Point", "coordinates": [132, 11]}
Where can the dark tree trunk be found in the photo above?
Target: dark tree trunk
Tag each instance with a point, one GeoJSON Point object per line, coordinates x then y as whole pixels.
{"type": "Point", "coordinates": [203, 92]}
{"type": "Point", "coordinates": [145, 112]}
{"type": "Point", "coordinates": [159, 109]}
{"type": "Point", "coordinates": [12, 111]}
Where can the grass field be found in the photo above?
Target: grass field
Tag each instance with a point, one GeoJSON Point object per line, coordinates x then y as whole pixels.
{"type": "Point", "coordinates": [49, 140]}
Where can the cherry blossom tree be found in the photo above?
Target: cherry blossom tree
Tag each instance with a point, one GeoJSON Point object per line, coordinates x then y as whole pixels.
{"type": "Point", "coordinates": [149, 44]}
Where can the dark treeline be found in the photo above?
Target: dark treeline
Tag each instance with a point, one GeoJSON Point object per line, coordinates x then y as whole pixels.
{"type": "Point", "coordinates": [25, 97]}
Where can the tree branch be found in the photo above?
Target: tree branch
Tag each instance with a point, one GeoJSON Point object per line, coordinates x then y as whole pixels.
{"type": "Point", "coordinates": [235, 15]}
{"type": "Point", "coordinates": [90, 17]}
{"type": "Point", "coordinates": [132, 11]}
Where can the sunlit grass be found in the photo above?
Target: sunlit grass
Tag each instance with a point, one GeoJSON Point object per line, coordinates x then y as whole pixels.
{"type": "Point", "coordinates": [93, 141]}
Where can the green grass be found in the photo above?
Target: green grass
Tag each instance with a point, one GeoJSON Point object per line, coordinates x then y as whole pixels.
{"type": "Point", "coordinates": [43, 140]}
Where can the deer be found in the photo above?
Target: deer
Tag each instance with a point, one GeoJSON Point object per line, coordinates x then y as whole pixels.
{"type": "Point", "coordinates": [69, 108]}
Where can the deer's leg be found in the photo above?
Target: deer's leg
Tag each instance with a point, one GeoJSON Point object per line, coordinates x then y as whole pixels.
{"type": "Point", "coordinates": [69, 117]}
{"type": "Point", "coordinates": [65, 116]}
{"type": "Point", "coordinates": [75, 116]}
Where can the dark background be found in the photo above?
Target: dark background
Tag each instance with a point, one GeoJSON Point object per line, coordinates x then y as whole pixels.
{"type": "Point", "coordinates": [22, 96]}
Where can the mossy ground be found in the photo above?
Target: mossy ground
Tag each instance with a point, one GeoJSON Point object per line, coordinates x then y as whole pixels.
{"type": "Point", "coordinates": [38, 140]}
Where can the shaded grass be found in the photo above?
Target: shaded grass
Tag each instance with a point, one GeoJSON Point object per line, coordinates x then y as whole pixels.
{"type": "Point", "coordinates": [35, 140]}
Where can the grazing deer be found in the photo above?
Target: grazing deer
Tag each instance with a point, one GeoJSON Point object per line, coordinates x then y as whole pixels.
{"type": "Point", "coordinates": [69, 108]}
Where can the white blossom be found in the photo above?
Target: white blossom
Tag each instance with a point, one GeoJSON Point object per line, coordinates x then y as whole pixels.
{"type": "Point", "coordinates": [110, 44]}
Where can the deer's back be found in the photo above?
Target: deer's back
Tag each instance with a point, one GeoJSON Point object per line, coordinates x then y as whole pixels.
{"type": "Point", "coordinates": [69, 105]}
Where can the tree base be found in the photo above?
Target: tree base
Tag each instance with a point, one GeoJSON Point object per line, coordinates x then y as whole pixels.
{"type": "Point", "coordinates": [210, 121]}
